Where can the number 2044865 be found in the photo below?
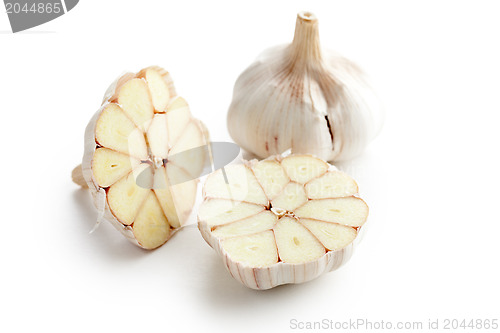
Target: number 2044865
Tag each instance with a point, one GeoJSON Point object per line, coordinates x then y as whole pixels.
{"type": "Point", "coordinates": [477, 324]}
{"type": "Point", "coordinates": [35, 8]}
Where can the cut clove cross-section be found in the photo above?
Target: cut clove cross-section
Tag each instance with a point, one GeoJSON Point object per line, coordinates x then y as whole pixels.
{"type": "Point", "coordinates": [128, 142]}
{"type": "Point", "coordinates": [281, 220]}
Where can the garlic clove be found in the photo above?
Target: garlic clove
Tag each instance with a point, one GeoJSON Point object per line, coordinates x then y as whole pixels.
{"type": "Point", "coordinates": [302, 169]}
{"type": "Point", "coordinates": [178, 117]}
{"type": "Point", "coordinates": [262, 221]}
{"type": "Point", "coordinates": [109, 166]}
{"type": "Point", "coordinates": [303, 97]}
{"type": "Point", "coordinates": [241, 186]}
{"type": "Point", "coordinates": [158, 87]}
{"type": "Point", "coordinates": [333, 184]}
{"type": "Point", "coordinates": [188, 151]}
{"type": "Point", "coordinates": [349, 211]}
{"type": "Point", "coordinates": [125, 197]}
{"type": "Point", "coordinates": [151, 227]}
{"type": "Point", "coordinates": [165, 198]}
{"type": "Point", "coordinates": [221, 211]}
{"type": "Point", "coordinates": [135, 100]}
{"type": "Point", "coordinates": [292, 239]}
{"type": "Point", "coordinates": [183, 204]}
{"type": "Point", "coordinates": [175, 205]}
{"type": "Point", "coordinates": [158, 136]}
{"type": "Point", "coordinates": [293, 196]}
{"type": "Point", "coordinates": [116, 131]}
{"type": "Point", "coordinates": [333, 236]}
{"type": "Point", "coordinates": [257, 250]}
{"type": "Point", "coordinates": [272, 177]}
{"type": "Point", "coordinates": [295, 243]}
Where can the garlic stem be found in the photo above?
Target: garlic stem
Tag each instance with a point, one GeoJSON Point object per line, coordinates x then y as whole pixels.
{"type": "Point", "coordinates": [305, 49]}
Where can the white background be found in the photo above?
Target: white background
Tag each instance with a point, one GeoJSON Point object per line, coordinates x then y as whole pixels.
{"type": "Point", "coordinates": [431, 177]}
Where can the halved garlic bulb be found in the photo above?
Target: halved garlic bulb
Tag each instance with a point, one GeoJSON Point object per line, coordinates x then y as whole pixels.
{"type": "Point", "coordinates": [129, 165]}
{"type": "Point", "coordinates": [281, 220]}
{"type": "Point", "coordinates": [302, 97]}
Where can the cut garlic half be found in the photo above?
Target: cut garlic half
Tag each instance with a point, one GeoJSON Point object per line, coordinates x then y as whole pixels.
{"type": "Point", "coordinates": [281, 220]}
{"type": "Point", "coordinates": [128, 143]}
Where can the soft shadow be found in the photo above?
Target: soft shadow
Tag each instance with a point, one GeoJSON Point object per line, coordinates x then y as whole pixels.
{"type": "Point", "coordinates": [223, 292]}
{"type": "Point", "coordinates": [248, 155]}
{"type": "Point", "coordinates": [106, 238]}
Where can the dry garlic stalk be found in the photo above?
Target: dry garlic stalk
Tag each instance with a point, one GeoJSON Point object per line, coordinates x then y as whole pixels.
{"type": "Point", "coordinates": [281, 220]}
{"type": "Point", "coordinates": [302, 97]}
{"type": "Point", "coordinates": [131, 162]}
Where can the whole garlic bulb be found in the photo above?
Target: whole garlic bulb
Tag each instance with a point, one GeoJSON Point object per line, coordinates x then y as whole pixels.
{"type": "Point", "coordinates": [302, 97]}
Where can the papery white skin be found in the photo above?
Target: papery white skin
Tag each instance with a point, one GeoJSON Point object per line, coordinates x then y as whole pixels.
{"type": "Point", "coordinates": [301, 97]}
{"type": "Point", "coordinates": [262, 278]}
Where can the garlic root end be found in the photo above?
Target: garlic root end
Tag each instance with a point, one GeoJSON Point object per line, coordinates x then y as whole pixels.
{"type": "Point", "coordinates": [77, 176]}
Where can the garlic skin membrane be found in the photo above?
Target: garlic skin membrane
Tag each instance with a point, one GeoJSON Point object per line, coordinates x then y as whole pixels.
{"type": "Point", "coordinates": [302, 97]}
